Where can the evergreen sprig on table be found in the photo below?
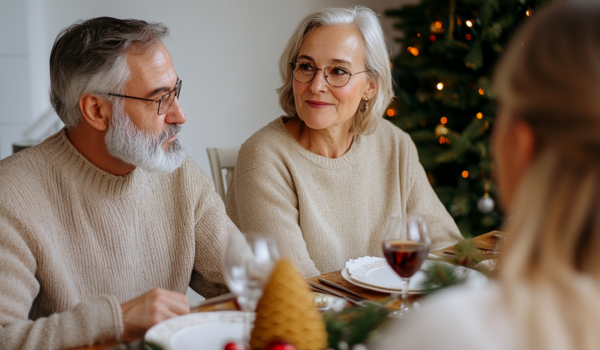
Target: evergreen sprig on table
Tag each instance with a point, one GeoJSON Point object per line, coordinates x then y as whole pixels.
{"type": "Point", "coordinates": [439, 276]}
{"type": "Point", "coordinates": [354, 326]}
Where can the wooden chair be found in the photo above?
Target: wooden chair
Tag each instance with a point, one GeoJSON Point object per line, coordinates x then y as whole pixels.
{"type": "Point", "coordinates": [219, 159]}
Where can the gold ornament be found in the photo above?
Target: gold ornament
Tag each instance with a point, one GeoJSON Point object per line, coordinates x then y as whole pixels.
{"type": "Point", "coordinates": [436, 27]}
{"type": "Point", "coordinates": [286, 312]}
{"type": "Point", "coordinates": [441, 130]}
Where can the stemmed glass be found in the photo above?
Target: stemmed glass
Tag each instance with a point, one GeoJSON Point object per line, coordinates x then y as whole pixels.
{"type": "Point", "coordinates": [247, 265]}
{"type": "Point", "coordinates": [405, 246]}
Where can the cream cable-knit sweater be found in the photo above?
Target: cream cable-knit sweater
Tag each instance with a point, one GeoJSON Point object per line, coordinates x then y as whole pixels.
{"type": "Point", "coordinates": [325, 211]}
{"type": "Point", "coordinates": [76, 242]}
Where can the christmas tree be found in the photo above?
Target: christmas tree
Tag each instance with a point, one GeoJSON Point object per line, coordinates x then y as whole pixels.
{"type": "Point", "coordinates": [443, 96]}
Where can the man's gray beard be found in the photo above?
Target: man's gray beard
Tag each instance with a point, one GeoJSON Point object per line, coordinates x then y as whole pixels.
{"type": "Point", "coordinates": [141, 148]}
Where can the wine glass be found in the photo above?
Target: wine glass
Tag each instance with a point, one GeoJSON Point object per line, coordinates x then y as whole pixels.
{"type": "Point", "coordinates": [247, 265]}
{"type": "Point", "coordinates": [405, 246]}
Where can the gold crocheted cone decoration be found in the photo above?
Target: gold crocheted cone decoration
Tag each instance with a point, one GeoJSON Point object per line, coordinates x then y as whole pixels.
{"type": "Point", "coordinates": [287, 313]}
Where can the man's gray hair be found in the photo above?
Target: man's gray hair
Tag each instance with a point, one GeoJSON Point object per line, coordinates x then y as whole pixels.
{"type": "Point", "coordinates": [377, 59]}
{"type": "Point", "coordinates": [91, 57]}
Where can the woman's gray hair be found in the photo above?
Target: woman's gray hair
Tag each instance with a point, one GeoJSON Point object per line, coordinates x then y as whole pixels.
{"type": "Point", "coordinates": [91, 57]}
{"type": "Point", "coordinates": [377, 59]}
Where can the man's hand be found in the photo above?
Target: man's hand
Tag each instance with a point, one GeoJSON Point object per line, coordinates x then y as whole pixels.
{"type": "Point", "coordinates": [150, 308]}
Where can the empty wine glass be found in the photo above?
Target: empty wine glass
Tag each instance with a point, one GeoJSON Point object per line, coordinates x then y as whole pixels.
{"type": "Point", "coordinates": [405, 246]}
{"type": "Point", "coordinates": [247, 265]}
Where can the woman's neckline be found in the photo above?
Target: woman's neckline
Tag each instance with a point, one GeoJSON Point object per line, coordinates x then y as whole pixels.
{"type": "Point", "coordinates": [347, 159]}
{"type": "Point", "coordinates": [321, 144]}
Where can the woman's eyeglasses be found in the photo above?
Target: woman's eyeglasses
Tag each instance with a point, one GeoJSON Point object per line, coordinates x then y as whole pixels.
{"type": "Point", "coordinates": [304, 72]}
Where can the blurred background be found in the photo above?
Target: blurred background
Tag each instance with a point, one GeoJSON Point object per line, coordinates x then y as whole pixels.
{"type": "Point", "coordinates": [226, 53]}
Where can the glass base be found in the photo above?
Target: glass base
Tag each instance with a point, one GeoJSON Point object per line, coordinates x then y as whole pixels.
{"type": "Point", "coordinates": [399, 313]}
{"type": "Point", "coordinates": [399, 308]}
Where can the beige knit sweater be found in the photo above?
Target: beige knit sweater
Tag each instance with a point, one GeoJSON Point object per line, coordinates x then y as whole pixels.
{"type": "Point", "coordinates": [76, 242]}
{"type": "Point", "coordinates": [325, 211]}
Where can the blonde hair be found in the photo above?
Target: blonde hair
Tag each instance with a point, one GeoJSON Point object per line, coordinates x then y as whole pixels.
{"type": "Point", "coordinates": [377, 59]}
{"type": "Point", "coordinates": [550, 78]}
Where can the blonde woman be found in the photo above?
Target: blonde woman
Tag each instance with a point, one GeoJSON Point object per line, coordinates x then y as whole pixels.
{"type": "Point", "coordinates": [323, 178]}
{"type": "Point", "coordinates": [547, 147]}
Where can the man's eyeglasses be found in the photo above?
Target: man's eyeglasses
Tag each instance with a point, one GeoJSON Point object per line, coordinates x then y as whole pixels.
{"type": "Point", "coordinates": [304, 72]}
{"type": "Point", "coordinates": [164, 102]}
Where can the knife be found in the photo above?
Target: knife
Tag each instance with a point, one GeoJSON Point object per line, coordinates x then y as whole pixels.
{"type": "Point", "coordinates": [323, 289]}
{"type": "Point", "coordinates": [213, 301]}
{"type": "Point", "coordinates": [342, 288]}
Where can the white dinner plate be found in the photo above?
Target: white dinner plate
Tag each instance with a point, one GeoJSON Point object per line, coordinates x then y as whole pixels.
{"type": "Point", "coordinates": [347, 277]}
{"type": "Point", "coordinates": [202, 330]}
{"type": "Point", "coordinates": [374, 273]}
{"type": "Point", "coordinates": [212, 330]}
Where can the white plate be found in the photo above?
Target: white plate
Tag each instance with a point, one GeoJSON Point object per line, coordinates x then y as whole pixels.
{"type": "Point", "coordinates": [212, 330]}
{"type": "Point", "coordinates": [347, 277]}
{"type": "Point", "coordinates": [202, 330]}
{"type": "Point", "coordinates": [376, 274]}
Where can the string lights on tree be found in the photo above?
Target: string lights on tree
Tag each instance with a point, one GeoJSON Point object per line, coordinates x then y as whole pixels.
{"type": "Point", "coordinates": [444, 97]}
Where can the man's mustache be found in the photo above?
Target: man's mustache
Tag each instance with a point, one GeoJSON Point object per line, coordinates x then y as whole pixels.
{"type": "Point", "coordinates": [168, 131]}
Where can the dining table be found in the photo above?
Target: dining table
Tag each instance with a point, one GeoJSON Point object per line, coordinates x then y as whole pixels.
{"type": "Point", "coordinates": [487, 243]}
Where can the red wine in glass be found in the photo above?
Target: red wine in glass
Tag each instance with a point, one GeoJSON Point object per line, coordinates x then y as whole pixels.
{"type": "Point", "coordinates": [405, 246]}
{"type": "Point", "coordinates": [405, 257]}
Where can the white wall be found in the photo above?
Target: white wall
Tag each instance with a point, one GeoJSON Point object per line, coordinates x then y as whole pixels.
{"type": "Point", "coordinates": [15, 84]}
{"type": "Point", "coordinates": [226, 53]}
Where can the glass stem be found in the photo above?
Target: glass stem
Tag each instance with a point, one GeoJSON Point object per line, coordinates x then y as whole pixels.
{"type": "Point", "coordinates": [246, 307]}
{"type": "Point", "coordinates": [403, 304]}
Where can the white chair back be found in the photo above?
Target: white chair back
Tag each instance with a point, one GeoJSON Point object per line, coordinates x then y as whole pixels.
{"type": "Point", "coordinates": [222, 158]}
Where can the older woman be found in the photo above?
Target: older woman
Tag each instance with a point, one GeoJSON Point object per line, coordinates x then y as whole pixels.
{"type": "Point", "coordinates": [324, 178]}
{"type": "Point", "coordinates": [547, 144]}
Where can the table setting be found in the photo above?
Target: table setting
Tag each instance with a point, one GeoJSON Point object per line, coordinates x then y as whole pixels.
{"type": "Point", "coordinates": [272, 307]}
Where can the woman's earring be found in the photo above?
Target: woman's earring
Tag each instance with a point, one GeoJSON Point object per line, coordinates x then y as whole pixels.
{"type": "Point", "coordinates": [365, 106]}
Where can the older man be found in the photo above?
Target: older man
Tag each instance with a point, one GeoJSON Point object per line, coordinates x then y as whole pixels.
{"type": "Point", "coordinates": [105, 223]}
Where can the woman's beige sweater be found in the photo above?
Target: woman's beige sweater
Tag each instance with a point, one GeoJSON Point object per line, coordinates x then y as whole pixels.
{"type": "Point", "coordinates": [325, 211]}
{"type": "Point", "coordinates": [76, 242]}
